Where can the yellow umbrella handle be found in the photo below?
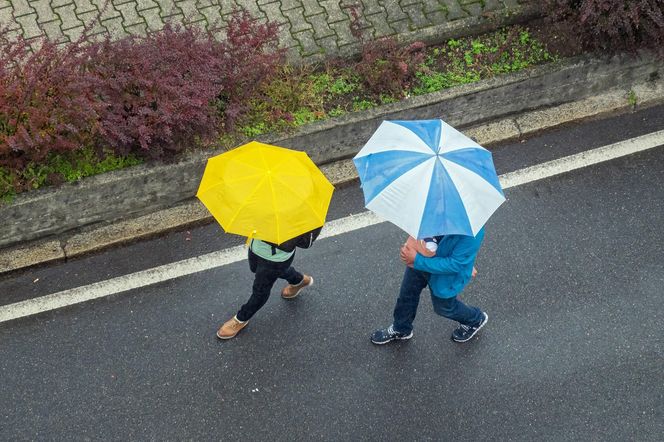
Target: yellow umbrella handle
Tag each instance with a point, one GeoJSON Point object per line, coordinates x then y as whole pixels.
{"type": "Point", "coordinates": [249, 238]}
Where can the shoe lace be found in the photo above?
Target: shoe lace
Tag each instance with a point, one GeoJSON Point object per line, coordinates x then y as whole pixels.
{"type": "Point", "coordinates": [390, 331]}
{"type": "Point", "coordinates": [464, 327]}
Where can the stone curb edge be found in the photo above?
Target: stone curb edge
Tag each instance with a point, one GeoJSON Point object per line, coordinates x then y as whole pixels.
{"type": "Point", "coordinates": [340, 173]}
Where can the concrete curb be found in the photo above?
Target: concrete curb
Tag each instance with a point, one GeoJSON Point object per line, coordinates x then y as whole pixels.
{"type": "Point", "coordinates": [189, 211]}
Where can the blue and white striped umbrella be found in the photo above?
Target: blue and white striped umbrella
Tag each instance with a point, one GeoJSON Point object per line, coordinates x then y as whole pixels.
{"type": "Point", "coordinates": [428, 178]}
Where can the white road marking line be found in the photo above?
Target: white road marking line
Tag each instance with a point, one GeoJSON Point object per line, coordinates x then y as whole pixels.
{"type": "Point", "coordinates": [332, 228]}
{"type": "Point", "coordinates": [583, 159]}
{"type": "Point", "coordinates": [121, 283]}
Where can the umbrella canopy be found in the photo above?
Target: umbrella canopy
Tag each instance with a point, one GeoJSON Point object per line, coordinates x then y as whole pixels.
{"type": "Point", "coordinates": [428, 178]}
{"type": "Point", "coordinates": [265, 192]}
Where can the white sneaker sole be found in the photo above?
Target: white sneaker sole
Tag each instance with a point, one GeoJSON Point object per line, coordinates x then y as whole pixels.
{"type": "Point", "coordinates": [403, 338]}
{"type": "Point", "coordinates": [486, 319]}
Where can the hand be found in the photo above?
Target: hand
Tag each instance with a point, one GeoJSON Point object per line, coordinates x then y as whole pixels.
{"type": "Point", "coordinates": [419, 246]}
{"type": "Point", "coordinates": [407, 255]}
{"type": "Point", "coordinates": [474, 272]}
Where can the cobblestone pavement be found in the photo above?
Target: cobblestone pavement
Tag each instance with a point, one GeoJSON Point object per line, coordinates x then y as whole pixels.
{"type": "Point", "coordinates": [309, 29]}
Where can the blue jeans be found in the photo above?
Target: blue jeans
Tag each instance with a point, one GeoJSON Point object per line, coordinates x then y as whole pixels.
{"type": "Point", "coordinates": [414, 281]}
{"type": "Point", "coordinates": [267, 273]}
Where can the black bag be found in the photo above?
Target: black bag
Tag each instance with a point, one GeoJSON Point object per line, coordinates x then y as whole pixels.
{"type": "Point", "coordinates": [303, 241]}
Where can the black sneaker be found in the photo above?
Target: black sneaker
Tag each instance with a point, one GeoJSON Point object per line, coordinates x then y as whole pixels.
{"type": "Point", "coordinates": [385, 335]}
{"type": "Point", "coordinates": [465, 333]}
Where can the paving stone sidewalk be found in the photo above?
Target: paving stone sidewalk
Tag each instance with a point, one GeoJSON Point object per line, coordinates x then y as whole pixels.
{"type": "Point", "coordinates": [309, 29]}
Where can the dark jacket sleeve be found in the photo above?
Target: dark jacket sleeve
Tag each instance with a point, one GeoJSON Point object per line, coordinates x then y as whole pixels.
{"type": "Point", "coordinates": [303, 241]}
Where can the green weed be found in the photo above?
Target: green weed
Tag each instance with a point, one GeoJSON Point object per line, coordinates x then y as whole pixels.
{"type": "Point", "coordinates": [334, 83]}
{"type": "Point", "coordinates": [303, 116]}
{"type": "Point", "coordinates": [362, 104]}
{"type": "Point", "coordinates": [632, 98]}
{"type": "Point", "coordinates": [468, 60]}
{"type": "Point", "coordinates": [336, 112]}
{"type": "Point", "coordinates": [58, 168]}
{"type": "Point", "coordinates": [254, 130]}
{"type": "Point", "coordinates": [7, 186]}
{"type": "Point", "coordinates": [453, 44]}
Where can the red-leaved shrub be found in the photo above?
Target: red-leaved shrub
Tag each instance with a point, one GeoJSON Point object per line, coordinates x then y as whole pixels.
{"type": "Point", "coordinates": [44, 106]}
{"type": "Point", "coordinates": [249, 55]}
{"type": "Point", "coordinates": [152, 95]}
{"type": "Point", "coordinates": [387, 68]}
{"type": "Point", "coordinates": [166, 91]}
{"type": "Point", "coordinates": [612, 24]}
{"type": "Point", "coordinates": [157, 91]}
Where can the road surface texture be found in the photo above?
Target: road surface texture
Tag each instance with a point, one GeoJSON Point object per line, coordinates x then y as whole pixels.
{"type": "Point", "coordinates": [571, 273]}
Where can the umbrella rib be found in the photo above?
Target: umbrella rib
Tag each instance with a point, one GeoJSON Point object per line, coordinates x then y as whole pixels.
{"type": "Point", "coordinates": [244, 178]}
{"type": "Point", "coordinates": [237, 212]}
{"type": "Point", "coordinates": [274, 209]}
{"type": "Point", "coordinates": [313, 209]}
{"type": "Point", "coordinates": [272, 190]}
{"type": "Point", "coordinates": [470, 171]}
{"type": "Point", "coordinates": [241, 160]}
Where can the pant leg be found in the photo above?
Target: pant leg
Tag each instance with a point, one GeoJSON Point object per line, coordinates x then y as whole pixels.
{"type": "Point", "coordinates": [414, 281]}
{"type": "Point", "coordinates": [266, 275]}
{"type": "Point", "coordinates": [454, 309]}
{"type": "Point", "coordinates": [290, 274]}
{"type": "Point", "coordinates": [253, 260]}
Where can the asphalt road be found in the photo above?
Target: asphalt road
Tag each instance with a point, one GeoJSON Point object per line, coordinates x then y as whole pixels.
{"type": "Point", "coordinates": [571, 274]}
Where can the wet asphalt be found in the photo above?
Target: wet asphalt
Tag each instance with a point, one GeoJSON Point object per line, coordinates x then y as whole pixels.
{"type": "Point", "coordinates": [571, 273]}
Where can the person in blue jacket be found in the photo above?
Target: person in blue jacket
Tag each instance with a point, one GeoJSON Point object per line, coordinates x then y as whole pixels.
{"type": "Point", "coordinates": [446, 271]}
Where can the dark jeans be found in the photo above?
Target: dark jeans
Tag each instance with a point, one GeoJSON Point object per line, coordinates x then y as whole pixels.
{"type": "Point", "coordinates": [414, 281]}
{"type": "Point", "coordinates": [267, 273]}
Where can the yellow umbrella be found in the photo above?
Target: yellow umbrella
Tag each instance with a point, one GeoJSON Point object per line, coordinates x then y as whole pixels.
{"type": "Point", "coordinates": [265, 192]}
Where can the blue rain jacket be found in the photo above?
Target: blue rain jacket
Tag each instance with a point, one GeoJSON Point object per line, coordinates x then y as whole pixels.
{"type": "Point", "coordinates": [452, 267]}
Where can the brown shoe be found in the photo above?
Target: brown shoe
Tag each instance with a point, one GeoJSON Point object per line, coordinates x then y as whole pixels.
{"type": "Point", "coordinates": [291, 291]}
{"type": "Point", "coordinates": [231, 328]}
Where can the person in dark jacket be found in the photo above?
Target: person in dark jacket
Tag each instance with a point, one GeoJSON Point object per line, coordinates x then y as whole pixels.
{"type": "Point", "coordinates": [446, 272]}
{"type": "Point", "coordinates": [270, 262]}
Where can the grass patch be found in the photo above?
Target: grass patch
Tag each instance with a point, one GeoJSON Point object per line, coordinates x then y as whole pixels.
{"type": "Point", "coordinates": [61, 168]}
{"type": "Point", "coordinates": [463, 61]}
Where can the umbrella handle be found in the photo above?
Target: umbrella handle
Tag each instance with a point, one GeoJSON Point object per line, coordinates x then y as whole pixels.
{"type": "Point", "coordinates": [250, 238]}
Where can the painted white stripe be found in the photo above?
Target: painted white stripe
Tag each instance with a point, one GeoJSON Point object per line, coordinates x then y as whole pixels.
{"type": "Point", "coordinates": [121, 283]}
{"type": "Point", "coordinates": [332, 228]}
{"type": "Point", "coordinates": [583, 159]}
{"type": "Point", "coordinates": [162, 273]}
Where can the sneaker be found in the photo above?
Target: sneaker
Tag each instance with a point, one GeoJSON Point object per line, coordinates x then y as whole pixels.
{"type": "Point", "coordinates": [464, 333]}
{"type": "Point", "coordinates": [231, 328]}
{"type": "Point", "coordinates": [291, 291]}
{"type": "Point", "coordinates": [385, 335]}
